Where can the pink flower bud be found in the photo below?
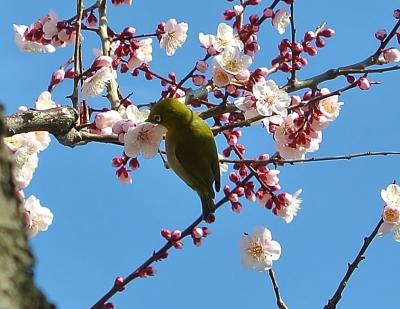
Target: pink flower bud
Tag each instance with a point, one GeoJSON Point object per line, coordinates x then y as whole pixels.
{"type": "Point", "coordinates": [236, 207]}
{"type": "Point", "coordinates": [229, 14]}
{"type": "Point", "coordinates": [396, 14]}
{"type": "Point", "coordinates": [128, 31]}
{"type": "Point", "coordinates": [92, 20]}
{"type": "Point", "coordinates": [123, 176]}
{"type": "Point", "coordinates": [233, 197]}
{"type": "Point", "coordinates": [119, 283]}
{"type": "Point", "coordinates": [381, 34]}
{"type": "Point", "coordinates": [108, 306]}
{"type": "Point", "coordinates": [70, 73]}
{"type": "Point", "coordinates": [176, 235]}
{"type": "Point", "coordinates": [118, 161]}
{"type": "Point", "coordinates": [319, 42]}
{"type": "Point", "coordinates": [102, 61]}
{"type": "Point", "coordinates": [309, 36]}
{"type": "Point", "coordinates": [134, 164]}
{"type": "Point", "coordinates": [150, 271]}
{"type": "Point", "coordinates": [252, 2]}
{"type": "Point", "coordinates": [268, 13]}
{"type": "Point", "coordinates": [198, 232]}
{"type": "Point", "coordinates": [178, 244]}
{"type": "Point", "coordinates": [328, 32]}
{"type": "Point", "coordinates": [234, 177]}
{"type": "Point", "coordinates": [107, 119]}
{"type": "Point", "coordinates": [210, 218]}
{"type": "Point", "coordinates": [57, 77]}
{"type": "Point", "coordinates": [350, 79]}
{"type": "Point", "coordinates": [238, 9]}
{"type": "Point", "coordinates": [166, 233]}
{"type": "Point", "coordinates": [198, 80]}
{"type": "Point", "coordinates": [363, 83]}
{"type": "Point", "coordinates": [201, 66]}
{"type": "Point", "coordinates": [391, 55]}
{"type": "Point", "coordinates": [242, 75]}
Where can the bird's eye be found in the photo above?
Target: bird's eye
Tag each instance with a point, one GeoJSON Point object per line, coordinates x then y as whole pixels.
{"type": "Point", "coordinates": [157, 118]}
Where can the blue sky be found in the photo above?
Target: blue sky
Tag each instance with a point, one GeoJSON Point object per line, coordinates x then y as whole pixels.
{"type": "Point", "coordinates": [103, 229]}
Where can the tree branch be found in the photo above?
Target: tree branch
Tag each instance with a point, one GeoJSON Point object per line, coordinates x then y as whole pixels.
{"type": "Point", "coordinates": [314, 159]}
{"type": "Point", "coordinates": [351, 268]}
{"type": "Point", "coordinates": [279, 301]}
{"type": "Point", "coordinates": [158, 255]}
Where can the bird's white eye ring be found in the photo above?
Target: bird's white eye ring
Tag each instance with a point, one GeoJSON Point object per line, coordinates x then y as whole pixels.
{"type": "Point", "coordinates": [157, 118]}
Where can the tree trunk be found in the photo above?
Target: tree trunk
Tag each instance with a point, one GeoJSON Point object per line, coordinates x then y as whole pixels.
{"type": "Point", "coordinates": [17, 290]}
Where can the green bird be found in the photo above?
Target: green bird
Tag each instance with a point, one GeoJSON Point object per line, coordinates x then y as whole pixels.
{"type": "Point", "coordinates": [191, 149]}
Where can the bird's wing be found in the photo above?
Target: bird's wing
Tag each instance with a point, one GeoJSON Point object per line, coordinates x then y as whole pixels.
{"type": "Point", "coordinates": [197, 170]}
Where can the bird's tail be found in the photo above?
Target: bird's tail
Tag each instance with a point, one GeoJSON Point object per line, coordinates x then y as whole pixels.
{"type": "Point", "coordinates": [207, 205]}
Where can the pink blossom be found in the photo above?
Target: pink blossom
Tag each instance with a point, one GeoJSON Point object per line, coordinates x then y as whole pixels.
{"type": "Point", "coordinates": [391, 55]}
{"type": "Point", "coordinates": [107, 119]}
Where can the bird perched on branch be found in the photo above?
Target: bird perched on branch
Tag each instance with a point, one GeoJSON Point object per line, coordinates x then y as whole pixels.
{"type": "Point", "coordinates": [191, 149]}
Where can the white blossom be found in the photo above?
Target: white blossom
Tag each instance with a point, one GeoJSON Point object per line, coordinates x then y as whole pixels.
{"type": "Point", "coordinates": [174, 36]}
{"type": "Point", "coordinates": [137, 116]}
{"type": "Point", "coordinates": [232, 61]}
{"type": "Point", "coordinates": [270, 99]}
{"type": "Point", "coordinates": [258, 250]}
{"type": "Point", "coordinates": [141, 55]}
{"type": "Point", "coordinates": [145, 138]}
{"type": "Point", "coordinates": [281, 20]}
{"type": "Point", "coordinates": [95, 85]}
{"type": "Point", "coordinates": [37, 217]}
{"type": "Point", "coordinates": [291, 207]}
{"type": "Point", "coordinates": [225, 38]}
{"type": "Point", "coordinates": [44, 101]}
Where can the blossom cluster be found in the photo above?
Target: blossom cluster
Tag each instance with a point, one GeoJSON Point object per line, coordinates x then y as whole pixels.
{"type": "Point", "coordinates": [44, 35]}
{"type": "Point", "coordinates": [24, 149]}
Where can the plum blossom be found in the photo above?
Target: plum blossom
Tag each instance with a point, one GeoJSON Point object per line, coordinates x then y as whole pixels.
{"type": "Point", "coordinates": [107, 119]}
{"type": "Point", "coordinates": [44, 101]}
{"type": "Point", "coordinates": [391, 55]}
{"type": "Point", "coordinates": [143, 54]}
{"type": "Point", "coordinates": [270, 99]}
{"type": "Point", "coordinates": [37, 218]}
{"type": "Point", "coordinates": [391, 211]}
{"type": "Point", "coordinates": [136, 115]}
{"type": "Point", "coordinates": [30, 46]}
{"type": "Point", "coordinates": [290, 207]}
{"type": "Point", "coordinates": [258, 250]}
{"type": "Point", "coordinates": [225, 38]}
{"type": "Point", "coordinates": [220, 77]}
{"type": "Point", "coordinates": [144, 138]}
{"type": "Point", "coordinates": [174, 36]}
{"type": "Point", "coordinates": [95, 85]}
{"type": "Point", "coordinates": [281, 20]}
{"type": "Point", "coordinates": [330, 107]}
{"type": "Point", "coordinates": [232, 61]}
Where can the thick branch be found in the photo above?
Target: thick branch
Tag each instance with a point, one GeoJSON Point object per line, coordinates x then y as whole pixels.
{"type": "Point", "coordinates": [59, 121]}
{"type": "Point", "coordinates": [112, 87]}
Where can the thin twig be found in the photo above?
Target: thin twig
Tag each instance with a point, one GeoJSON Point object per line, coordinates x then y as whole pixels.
{"type": "Point", "coordinates": [351, 268]}
{"type": "Point", "coordinates": [89, 9]}
{"type": "Point", "coordinates": [315, 159]}
{"type": "Point", "coordinates": [293, 34]}
{"type": "Point", "coordinates": [158, 255]}
{"type": "Point", "coordinates": [77, 54]}
{"type": "Point", "coordinates": [272, 6]}
{"type": "Point", "coordinates": [279, 301]}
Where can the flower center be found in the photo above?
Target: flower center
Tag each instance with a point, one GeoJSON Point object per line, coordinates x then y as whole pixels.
{"type": "Point", "coordinates": [142, 136]}
{"type": "Point", "coordinates": [328, 107]}
{"type": "Point", "coordinates": [256, 251]}
{"type": "Point", "coordinates": [171, 34]}
{"type": "Point", "coordinates": [231, 65]}
{"type": "Point", "coordinates": [391, 215]}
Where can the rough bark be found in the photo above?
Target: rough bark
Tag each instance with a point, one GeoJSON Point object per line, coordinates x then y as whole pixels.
{"type": "Point", "coordinates": [17, 289]}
